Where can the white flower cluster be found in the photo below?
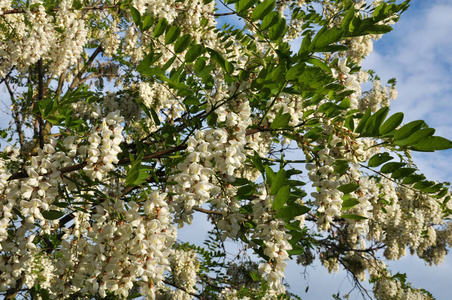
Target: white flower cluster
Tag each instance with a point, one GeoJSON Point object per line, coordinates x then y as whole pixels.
{"type": "Point", "coordinates": [273, 234]}
{"type": "Point", "coordinates": [40, 36]}
{"type": "Point", "coordinates": [69, 45]}
{"type": "Point", "coordinates": [348, 80]}
{"type": "Point", "coordinates": [34, 40]}
{"type": "Point", "coordinates": [40, 271]}
{"type": "Point", "coordinates": [123, 102]}
{"type": "Point", "coordinates": [213, 151]}
{"type": "Point", "coordinates": [328, 198]}
{"type": "Point", "coordinates": [184, 268]}
{"type": "Point", "coordinates": [110, 41]}
{"type": "Point", "coordinates": [158, 9]}
{"type": "Point", "coordinates": [103, 146]}
{"type": "Point", "coordinates": [158, 96]}
{"type": "Point", "coordinates": [124, 243]}
{"type": "Point", "coordinates": [229, 206]}
{"type": "Point", "coordinates": [392, 289]}
{"type": "Point", "coordinates": [377, 97]}
{"type": "Point", "coordinates": [31, 196]}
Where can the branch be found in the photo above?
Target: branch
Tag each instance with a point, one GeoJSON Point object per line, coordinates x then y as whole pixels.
{"type": "Point", "coordinates": [40, 97]}
{"type": "Point", "coordinates": [208, 211]}
{"type": "Point", "coordinates": [11, 293]}
{"type": "Point", "coordinates": [83, 70]}
{"type": "Point", "coordinates": [183, 289]}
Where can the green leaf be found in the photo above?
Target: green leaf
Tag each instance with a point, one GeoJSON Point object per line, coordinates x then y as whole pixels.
{"type": "Point", "coordinates": [378, 29]}
{"type": "Point", "coordinates": [348, 18]}
{"type": "Point", "coordinates": [413, 178]}
{"type": "Point", "coordinates": [160, 28]}
{"type": "Point", "coordinates": [319, 63]}
{"type": "Point", "coordinates": [353, 217]}
{"type": "Point", "coordinates": [362, 123]}
{"type": "Point", "coordinates": [77, 4]}
{"type": "Point", "coordinates": [219, 59]}
{"type": "Point", "coordinates": [169, 63]}
{"type": "Point", "coordinates": [278, 30]}
{"type": "Point", "coordinates": [182, 43]}
{"type": "Point", "coordinates": [278, 182]}
{"type": "Point", "coordinates": [354, 25]}
{"type": "Point", "coordinates": [374, 122]}
{"type": "Point", "coordinates": [44, 294]}
{"type": "Point", "coordinates": [136, 16]}
{"type": "Point", "coordinates": [292, 211]}
{"type": "Point", "coordinates": [348, 188]}
{"type": "Point", "coordinates": [408, 129]}
{"type": "Point", "coordinates": [294, 72]}
{"type": "Point", "coordinates": [155, 117]}
{"type": "Point", "coordinates": [333, 48]}
{"type": "Point", "coordinates": [52, 214]}
{"type": "Point", "coordinates": [345, 103]}
{"type": "Point", "coordinates": [263, 9]}
{"type": "Point", "coordinates": [193, 53]}
{"type": "Point", "coordinates": [258, 162]}
{"type": "Point", "coordinates": [281, 120]}
{"type": "Point", "coordinates": [172, 34]}
{"type": "Point", "coordinates": [269, 20]}
{"type": "Point", "coordinates": [349, 203]}
{"type": "Point", "coordinates": [391, 123]}
{"type": "Point", "coordinates": [419, 135]}
{"type": "Point", "coordinates": [325, 37]}
{"type": "Point", "coordinates": [433, 143]}
{"type": "Point", "coordinates": [153, 72]}
{"type": "Point", "coordinates": [245, 192]}
{"type": "Point", "coordinates": [423, 185]}
{"type": "Point", "coordinates": [378, 159]}
{"type": "Point", "coordinates": [281, 198]}
{"type": "Point", "coordinates": [242, 5]}
{"type": "Point", "coordinates": [200, 65]}
{"type": "Point", "coordinates": [279, 73]}
{"type": "Point", "coordinates": [147, 23]}
{"type": "Point", "coordinates": [391, 167]}
{"type": "Point", "coordinates": [340, 167]}
{"type": "Point", "coordinates": [137, 173]}
{"type": "Point", "coordinates": [211, 119]}
{"type": "Point", "coordinates": [433, 189]}
{"type": "Point", "coordinates": [305, 45]}
{"type": "Point", "coordinates": [270, 175]}
{"type": "Point", "coordinates": [402, 172]}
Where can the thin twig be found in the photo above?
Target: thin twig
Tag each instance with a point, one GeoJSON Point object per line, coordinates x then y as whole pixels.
{"type": "Point", "coordinates": [40, 97]}
{"type": "Point", "coordinates": [207, 211]}
{"type": "Point", "coordinates": [183, 289]}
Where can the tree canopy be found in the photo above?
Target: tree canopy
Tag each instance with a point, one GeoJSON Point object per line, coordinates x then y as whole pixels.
{"type": "Point", "coordinates": [131, 118]}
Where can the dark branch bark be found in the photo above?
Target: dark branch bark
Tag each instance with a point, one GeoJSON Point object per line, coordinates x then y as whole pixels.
{"type": "Point", "coordinates": [183, 289]}
{"type": "Point", "coordinates": [40, 97]}
{"type": "Point", "coordinates": [77, 78]}
{"type": "Point", "coordinates": [11, 293]}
